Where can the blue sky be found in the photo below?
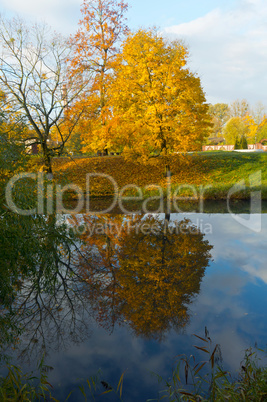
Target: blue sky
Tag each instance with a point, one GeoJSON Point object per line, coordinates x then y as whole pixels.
{"type": "Point", "coordinates": [168, 12]}
{"type": "Point", "coordinates": [227, 39]}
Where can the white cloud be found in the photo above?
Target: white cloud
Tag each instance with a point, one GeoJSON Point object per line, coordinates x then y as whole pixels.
{"type": "Point", "coordinates": [228, 51]}
{"type": "Point", "coordinates": [233, 243]}
{"type": "Point", "coordinates": [62, 15]}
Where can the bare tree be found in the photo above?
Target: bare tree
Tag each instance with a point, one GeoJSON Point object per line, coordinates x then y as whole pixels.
{"type": "Point", "coordinates": [34, 76]}
{"type": "Point", "coordinates": [239, 108]}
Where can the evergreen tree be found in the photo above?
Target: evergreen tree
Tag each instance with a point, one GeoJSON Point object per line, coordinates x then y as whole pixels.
{"type": "Point", "coordinates": [243, 143]}
{"type": "Point", "coordinates": [237, 143]}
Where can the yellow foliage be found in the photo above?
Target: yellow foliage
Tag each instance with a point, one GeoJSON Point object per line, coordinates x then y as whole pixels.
{"type": "Point", "coordinates": [158, 103]}
{"type": "Point", "coordinates": [102, 26]}
{"type": "Point", "coordinates": [253, 127]}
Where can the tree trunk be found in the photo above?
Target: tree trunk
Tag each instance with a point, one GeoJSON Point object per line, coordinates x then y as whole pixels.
{"type": "Point", "coordinates": [164, 152]}
{"type": "Point", "coordinates": [167, 170]}
{"type": "Point", "coordinates": [47, 158]}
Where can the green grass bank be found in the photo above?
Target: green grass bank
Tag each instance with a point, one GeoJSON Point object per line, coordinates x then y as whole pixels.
{"type": "Point", "coordinates": [209, 175]}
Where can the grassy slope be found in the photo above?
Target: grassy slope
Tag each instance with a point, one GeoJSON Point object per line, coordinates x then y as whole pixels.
{"type": "Point", "coordinates": [220, 170]}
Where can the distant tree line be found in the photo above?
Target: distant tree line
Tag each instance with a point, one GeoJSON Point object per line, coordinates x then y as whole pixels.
{"type": "Point", "coordinates": [238, 124]}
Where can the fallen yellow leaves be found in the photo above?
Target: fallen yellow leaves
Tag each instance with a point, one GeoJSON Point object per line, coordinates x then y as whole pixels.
{"type": "Point", "coordinates": [125, 172]}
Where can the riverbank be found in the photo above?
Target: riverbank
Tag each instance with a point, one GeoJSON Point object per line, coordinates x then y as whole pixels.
{"type": "Point", "coordinates": [207, 175]}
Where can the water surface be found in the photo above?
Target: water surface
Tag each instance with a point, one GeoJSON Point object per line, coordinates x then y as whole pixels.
{"type": "Point", "coordinates": [136, 289]}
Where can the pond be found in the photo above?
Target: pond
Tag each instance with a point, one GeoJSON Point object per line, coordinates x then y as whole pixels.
{"type": "Point", "coordinates": [127, 295]}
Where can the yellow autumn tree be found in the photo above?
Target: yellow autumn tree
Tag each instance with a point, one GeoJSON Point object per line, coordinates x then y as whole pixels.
{"type": "Point", "coordinates": [158, 104]}
{"type": "Point", "coordinates": [254, 128]}
{"type": "Point", "coordinates": [96, 45]}
{"type": "Point", "coordinates": [235, 129]}
{"type": "Point", "coordinates": [262, 131]}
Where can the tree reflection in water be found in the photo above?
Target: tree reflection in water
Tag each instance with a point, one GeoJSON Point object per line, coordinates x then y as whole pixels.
{"type": "Point", "coordinates": [42, 305]}
{"type": "Point", "coordinates": [142, 270]}
{"type": "Point", "coordinates": [52, 282]}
